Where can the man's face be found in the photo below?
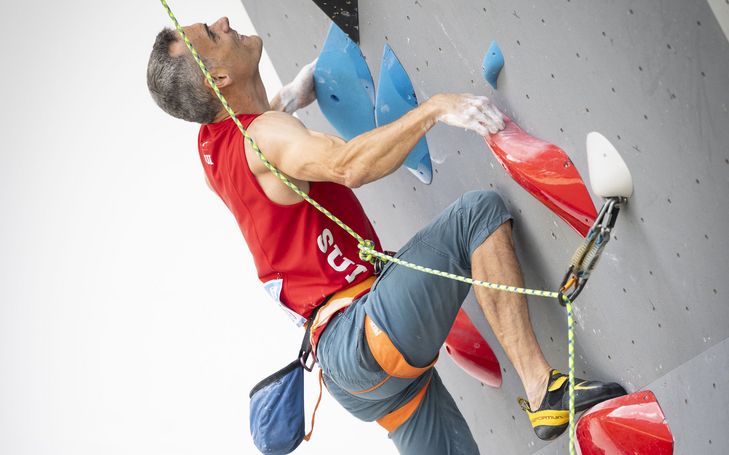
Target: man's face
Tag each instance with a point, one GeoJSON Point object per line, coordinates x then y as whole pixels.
{"type": "Point", "coordinates": [231, 57]}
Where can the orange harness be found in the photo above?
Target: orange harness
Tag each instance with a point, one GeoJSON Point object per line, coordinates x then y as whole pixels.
{"type": "Point", "coordinates": [382, 348]}
{"type": "Point", "coordinates": [339, 301]}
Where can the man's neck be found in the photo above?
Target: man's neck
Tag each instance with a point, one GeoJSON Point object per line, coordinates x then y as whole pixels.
{"type": "Point", "coordinates": [248, 98]}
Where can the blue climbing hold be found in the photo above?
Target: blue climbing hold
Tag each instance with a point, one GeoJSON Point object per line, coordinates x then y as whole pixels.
{"type": "Point", "coordinates": [395, 98]}
{"type": "Point", "coordinates": [344, 87]}
{"type": "Point", "coordinates": [493, 61]}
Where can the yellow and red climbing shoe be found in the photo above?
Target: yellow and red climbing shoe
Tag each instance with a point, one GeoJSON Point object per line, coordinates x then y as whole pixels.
{"type": "Point", "coordinates": [552, 417]}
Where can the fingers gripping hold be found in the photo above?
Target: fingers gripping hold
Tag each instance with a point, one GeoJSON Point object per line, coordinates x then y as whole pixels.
{"type": "Point", "coordinates": [472, 112]}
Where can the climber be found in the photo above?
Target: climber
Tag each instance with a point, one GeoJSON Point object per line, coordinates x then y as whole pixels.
{"type": "Point", "coordinates": [376, 337]}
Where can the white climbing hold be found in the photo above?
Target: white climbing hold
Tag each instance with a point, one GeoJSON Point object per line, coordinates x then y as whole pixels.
{"type": "Point", "coordinates": [609, 175]}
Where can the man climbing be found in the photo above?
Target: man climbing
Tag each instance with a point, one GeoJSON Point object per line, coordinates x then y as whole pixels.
{"type": "Point", "coordinates": [376, 337]}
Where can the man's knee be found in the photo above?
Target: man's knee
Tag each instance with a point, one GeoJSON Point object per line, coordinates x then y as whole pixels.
{"type": "Point", "coordinates": [482, 200]}
{"type": "Point", "coordinates": [482, 213]}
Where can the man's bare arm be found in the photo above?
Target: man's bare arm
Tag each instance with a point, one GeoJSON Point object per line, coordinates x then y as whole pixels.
{"type": "Point", "coordinates": [310, 156]}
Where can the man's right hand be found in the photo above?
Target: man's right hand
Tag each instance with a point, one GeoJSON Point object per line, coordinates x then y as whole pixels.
{"type": "Point", "coordinates": [297, 94]}
{"type": "Point", "coordinates": [472, 112]}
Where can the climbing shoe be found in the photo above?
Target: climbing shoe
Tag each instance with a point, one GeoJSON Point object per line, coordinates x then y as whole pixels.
{"type": "Point", "coordinates": [552, 417]}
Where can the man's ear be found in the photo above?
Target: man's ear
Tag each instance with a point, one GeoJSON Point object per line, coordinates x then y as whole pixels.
{"type": "Point", "coordinates": [222, 79]}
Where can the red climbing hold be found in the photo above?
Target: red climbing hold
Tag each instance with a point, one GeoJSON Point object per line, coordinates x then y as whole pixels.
{"type": "Point", "coordinates": [545, 171]}
{"type": "Point", "coordinates": [626, 425]}
{"type": "Point", "coordinates": [471, 352]}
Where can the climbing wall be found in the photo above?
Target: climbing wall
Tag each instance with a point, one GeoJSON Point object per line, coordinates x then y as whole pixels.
{"type": "Point", "coordinates": [653, 77]}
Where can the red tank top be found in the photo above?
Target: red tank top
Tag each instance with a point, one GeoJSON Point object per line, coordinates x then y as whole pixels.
{"type": "Point", "coordinates": [301, 256]}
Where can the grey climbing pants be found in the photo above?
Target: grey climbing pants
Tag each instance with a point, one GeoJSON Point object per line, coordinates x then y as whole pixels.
{"type": "Point", "coordinates": [377, 355]}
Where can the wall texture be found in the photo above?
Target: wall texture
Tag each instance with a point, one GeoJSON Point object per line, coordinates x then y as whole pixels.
{"type": "Point", "coordinates": [653, 77]}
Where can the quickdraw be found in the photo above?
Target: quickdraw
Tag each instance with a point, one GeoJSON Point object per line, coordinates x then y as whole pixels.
{"type": "Point", "coordinates": [588, 254]}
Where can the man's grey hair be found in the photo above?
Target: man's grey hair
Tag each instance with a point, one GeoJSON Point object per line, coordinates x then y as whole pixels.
{"type": "Point", "coordinates": [177, 84]}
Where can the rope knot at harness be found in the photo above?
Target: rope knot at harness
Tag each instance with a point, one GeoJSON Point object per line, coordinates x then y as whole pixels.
{"type": "Point", "coordinates": [366, 248]}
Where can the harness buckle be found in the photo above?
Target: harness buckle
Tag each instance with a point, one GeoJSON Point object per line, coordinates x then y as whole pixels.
{"type": "Point", "coordinates": [303, 359]}
{"type": "Point", "coordinates": [379, 264]}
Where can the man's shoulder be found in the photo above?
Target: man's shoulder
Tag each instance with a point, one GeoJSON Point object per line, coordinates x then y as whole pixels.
{"type": "Point", "coordinates": [272, 119]}
{"type": "Point", "coordinates": [275, 128]}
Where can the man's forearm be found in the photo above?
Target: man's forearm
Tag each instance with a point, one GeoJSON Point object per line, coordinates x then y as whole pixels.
{"type": "Point", "coordinates": [377, 153]}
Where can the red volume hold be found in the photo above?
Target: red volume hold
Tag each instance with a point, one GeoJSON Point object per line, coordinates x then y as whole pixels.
{"type": "Point", "coordinates": [545, 171]}
{"type": "Point", "coordinates": [625, 425]}
{"type": "Point", "coordinates": [471, 352]}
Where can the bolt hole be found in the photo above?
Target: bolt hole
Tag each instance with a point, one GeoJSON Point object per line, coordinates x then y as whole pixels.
{"type": "Point", "coordinates": [334, 98]}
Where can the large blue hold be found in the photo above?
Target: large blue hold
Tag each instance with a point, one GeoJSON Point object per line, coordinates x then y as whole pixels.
{"type": "Point", "coordinates": [344, 87]}
{"type": "Point", "coordinates": [493, 61]}
{"type": "Point", "coordinates": [395, 98]}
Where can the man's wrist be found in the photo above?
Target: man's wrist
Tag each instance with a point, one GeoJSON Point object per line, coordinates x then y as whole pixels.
{"type": "Point", "coordinates": [434, 108]}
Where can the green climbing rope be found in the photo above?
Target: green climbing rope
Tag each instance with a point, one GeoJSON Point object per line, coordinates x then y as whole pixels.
{"type": "Point", "coordinates": [367, 251]}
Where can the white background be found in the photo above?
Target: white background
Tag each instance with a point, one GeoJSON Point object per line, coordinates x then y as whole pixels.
{"type": "Point", "coordinates": [131, 319]}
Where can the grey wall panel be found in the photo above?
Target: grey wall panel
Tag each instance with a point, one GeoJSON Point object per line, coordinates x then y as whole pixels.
{"type": "Point", "coordinates": [653, 77]}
